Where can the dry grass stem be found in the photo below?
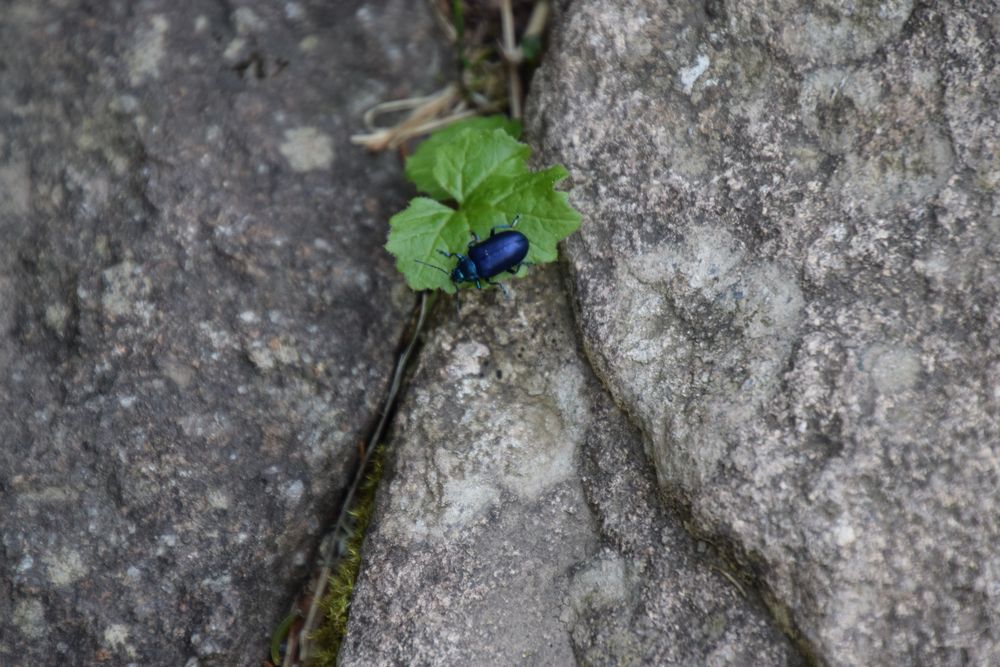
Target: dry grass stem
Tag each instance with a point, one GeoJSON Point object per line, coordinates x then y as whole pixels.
{"type": "Point", "coordinates": [425, 110]}
{"type": "Point", "coordinates": [510, 46]}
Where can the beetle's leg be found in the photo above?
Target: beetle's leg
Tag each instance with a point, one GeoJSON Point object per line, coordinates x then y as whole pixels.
{"type": "Point", "coordinates": [517, 267]}
{"type": "Point", "coordinates": [503, 288]}
{"type": "Point", "coordinates": [475, 238]}
{"type": "Point", "coordinates": [448, 254]}
{"type": "Point", "coordinates": [479, 285]}
{"type": "Point", "coordinates": [512, 225]}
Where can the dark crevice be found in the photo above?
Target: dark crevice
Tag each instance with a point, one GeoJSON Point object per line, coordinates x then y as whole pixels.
{"type": "Point", "coordinates": [379, 425]}
{"type": "Point", "coordinates": [406, 354]}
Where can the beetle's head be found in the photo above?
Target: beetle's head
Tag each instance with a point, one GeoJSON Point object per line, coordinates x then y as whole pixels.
{"type": "Point", "coordinates": [464, 271]}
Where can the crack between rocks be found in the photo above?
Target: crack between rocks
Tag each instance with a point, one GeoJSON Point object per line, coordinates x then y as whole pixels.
{"type": "Point", "coordinates": [410, 344]}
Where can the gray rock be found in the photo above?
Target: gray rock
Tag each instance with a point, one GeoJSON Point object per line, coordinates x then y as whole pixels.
{"type": "Point", "coordinates": [197, 318]}
{"type": "Point", "coordinates": [787, 274]}
{"type": "Point", "coordinates": [652, 595]}
{"type": "Point", "coordinates": [518, 521]}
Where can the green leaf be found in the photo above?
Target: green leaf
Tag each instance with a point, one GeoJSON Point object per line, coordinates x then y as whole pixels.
{"type": "Point", "coordinates": [420, 165]}
{"type": "Point", "coordinates": [483, 173]}
{"type": "Point", "coordinates": [279, 635]}
{"type": "Point", "coordinates": [416, 234]}
{"type": "Point", "coordinates": [546, 216]}
{"type": "Point", "coordinates": [531, 47]}
{"type": "Point", "coordinates": [476, 156]}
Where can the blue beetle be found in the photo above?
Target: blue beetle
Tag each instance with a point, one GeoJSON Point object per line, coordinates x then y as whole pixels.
{"type": "Point", "coordinates": [498, 253]}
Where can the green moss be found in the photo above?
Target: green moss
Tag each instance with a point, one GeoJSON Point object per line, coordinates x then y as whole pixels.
{"type": "Point", "coordinates": [336, 604]}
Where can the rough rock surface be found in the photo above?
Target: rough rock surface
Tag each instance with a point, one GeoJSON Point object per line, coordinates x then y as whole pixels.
{"type": "Point", "coordinates": [788, 275]}
{"type": "Point", "coordinates": [518, 521]}
{"type": "Point", "coordinates": [197, 319]}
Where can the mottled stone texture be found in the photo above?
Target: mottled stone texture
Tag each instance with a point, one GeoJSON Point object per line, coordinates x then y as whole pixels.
{"type": "Point", "coordinates": [519, 523]}
{"type": "Point", "coordinates": [788, 275]}
{"type": "Point", "coordinates": [197, 319]}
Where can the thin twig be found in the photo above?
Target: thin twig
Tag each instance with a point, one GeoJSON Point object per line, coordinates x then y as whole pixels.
{"type": "Point", "coordinates": [396, 105]}
{"type": "Point", "coordinates": [509, 46]}
{"type": "Point", "coordinates": [395, 137]}
{"type": "Point", "coordinates": [731, 579]}
{"type": "Point", "coordinates": [536, 26]}
{"type": "Point", "coordinates": [290, 646]}
{"type": "Point", "coordinates": [443, 21]}
{"type": "Point", "coordinates": [424, 110]}
{"type": "Point", "coordinates": [536, 23]}
{"type": "Point", "coordinates": [326, 546]}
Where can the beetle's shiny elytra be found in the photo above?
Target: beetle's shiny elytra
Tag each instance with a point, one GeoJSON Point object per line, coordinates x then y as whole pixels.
{"type": "Point", "coordinates": [503, 251]}
{"type": "Point", "coordinates": [500, 252]}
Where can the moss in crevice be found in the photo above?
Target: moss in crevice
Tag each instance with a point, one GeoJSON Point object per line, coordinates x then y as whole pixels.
{"type": "Point", "coordinates": [336, 603]}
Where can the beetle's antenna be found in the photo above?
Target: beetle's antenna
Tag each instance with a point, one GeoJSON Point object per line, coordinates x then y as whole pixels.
{"type": "Point", "coordinates": [517, 219]}
{"type": "Point", "coordinates": [433, 267]}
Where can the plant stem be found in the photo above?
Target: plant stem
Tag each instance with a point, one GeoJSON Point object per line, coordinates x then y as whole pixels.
{"type": "Point", "coordinates": [509, 46]}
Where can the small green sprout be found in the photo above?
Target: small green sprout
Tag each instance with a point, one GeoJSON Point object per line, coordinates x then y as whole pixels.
{"type": "Point", "coordinates": [476, 175]}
